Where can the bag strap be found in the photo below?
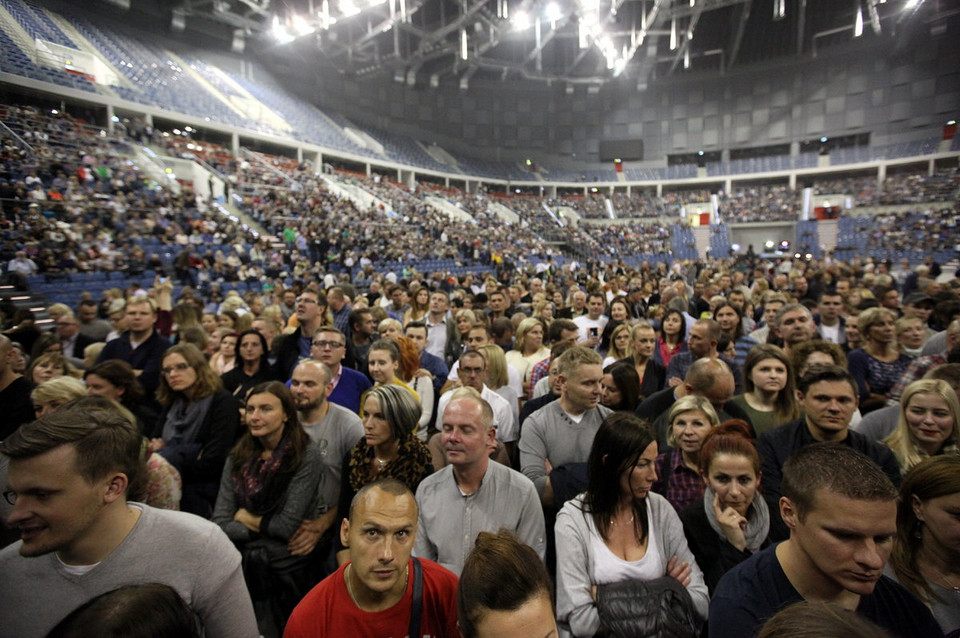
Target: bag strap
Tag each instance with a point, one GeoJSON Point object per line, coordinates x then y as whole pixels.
{"type": "Point", "coordinates": [417, 608]}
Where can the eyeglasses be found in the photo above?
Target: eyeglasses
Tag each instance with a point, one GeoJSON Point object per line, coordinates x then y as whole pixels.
{"type": "Point", "coordinates": [306, 300]}
{"type": "Point", "coordinates": [327, 344]}
{"type": "Point", "coordinates": [180, 367]}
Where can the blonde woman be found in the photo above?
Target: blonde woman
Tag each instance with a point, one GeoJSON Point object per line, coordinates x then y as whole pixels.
{"type": "Point", "coordinates": [528, 350]}
{"type": "Point", "coordinates": [910, 335]}
{"type": "Point", "coordinates": [545, 310]}
{"type": "Point", "coordinates": [50, 395]}
{"type": "Point", "coordinates": [498, 378]}
{"type": "Point", "coordinates": [929, 418]}
{"type": "Point", "coordinates": [389, 329]}
{"type": "Point", "coordinates": [619, 344]}
{"type": "Point", "coordinates": [678, 469]}
{"type": "Point", "coordinates": [877, 364]}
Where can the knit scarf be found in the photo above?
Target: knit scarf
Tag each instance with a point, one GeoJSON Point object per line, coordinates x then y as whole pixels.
{"type": "Point", "coordinates": [758, 520]}
{"type": "Point", "coordinates": [260, 486]}
{"type": "Point", "coordinates": [184, 419]}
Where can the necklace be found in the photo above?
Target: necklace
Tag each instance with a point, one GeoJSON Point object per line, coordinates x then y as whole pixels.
{"type": "Point", "coordinates": [613, 521]}
{"type": "Point", "coordinates": [955, 588]}
{"type": "Point", "coordinates": [380, 464]}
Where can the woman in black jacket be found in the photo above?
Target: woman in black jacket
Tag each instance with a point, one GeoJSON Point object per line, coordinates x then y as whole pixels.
{"type": "Point", "coordinates": [253, 365]}
{"type": "Point", "coordinates": [199, 424]}
{"type": "Point", "coordinates": [733, 520]}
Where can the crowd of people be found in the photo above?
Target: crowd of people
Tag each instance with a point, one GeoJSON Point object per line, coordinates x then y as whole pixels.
{"type": "Point", "coordinates": [641, 431]}
{"type": "Point", "coordinates": [407, 453]}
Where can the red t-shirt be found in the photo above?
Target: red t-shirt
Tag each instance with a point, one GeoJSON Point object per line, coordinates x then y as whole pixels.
{"type": "Point", "coordinates": [329, 611]}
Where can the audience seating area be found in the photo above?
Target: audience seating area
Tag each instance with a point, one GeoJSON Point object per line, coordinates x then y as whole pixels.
{"type": "Point", "coordinates": [155, 77]}
{"type": "Point", "coordinates": [127, 229]}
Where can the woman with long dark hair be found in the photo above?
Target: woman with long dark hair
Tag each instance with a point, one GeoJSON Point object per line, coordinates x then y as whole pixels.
{"type": "Point", "coordinates": [730, 318]}
{"type": "Point", "coordinates": [926, 552]}
{"type": "Point", "coordinates": [673, 337]}
{"type": "Point", "coordinates": [268, 487]}
{"type": "Point", "coordinates": [116, 379]}
{"type": "Point", "coordinates": [619, 529]}
{"type": "Point", "coordinates": [769, 397]}
{"type": "Point", "coordinates": [253, 365]}
{"type": "Point", "coordinates": [621, 387]}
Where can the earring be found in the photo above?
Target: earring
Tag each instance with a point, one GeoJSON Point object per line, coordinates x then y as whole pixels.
{"type": "Point", "coordinates": [918, 531]}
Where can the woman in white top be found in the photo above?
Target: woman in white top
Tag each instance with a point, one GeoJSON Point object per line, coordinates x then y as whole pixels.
{"type": "Point", "coordinates": [619, 529]}
{"type": "Point", "coordinates": [528, 350]}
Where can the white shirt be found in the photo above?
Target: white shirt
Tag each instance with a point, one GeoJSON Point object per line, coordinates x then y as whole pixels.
{"type": "Point", "coordinates": [830, 333]}
{"type": "Point", "coordinates": [513, 377]}
{"type": "Point", "coordinates": [585, 323]}
{"type": "Point", "coordinates": [503, 418]}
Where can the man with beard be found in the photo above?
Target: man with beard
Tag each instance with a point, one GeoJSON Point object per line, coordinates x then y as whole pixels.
{"type": "Point", "coordinates": [334, 430]}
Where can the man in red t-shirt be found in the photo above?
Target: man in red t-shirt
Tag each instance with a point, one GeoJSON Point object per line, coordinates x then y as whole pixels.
{"type": "Point", "coordinates": [372, 594]}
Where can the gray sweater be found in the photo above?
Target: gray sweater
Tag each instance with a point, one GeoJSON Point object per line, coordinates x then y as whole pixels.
{"type": "Point", "coordinates": [181, 550]}
{"type": "Point", "coordinates": [576, 609]}
{"type": "Point", "coordinates": [550, 433]}
{"type": "Point", "coordinates": [298, 503]}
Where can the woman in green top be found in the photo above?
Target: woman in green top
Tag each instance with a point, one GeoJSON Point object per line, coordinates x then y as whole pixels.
{"type": "Point", "coordinates": [769, 399]}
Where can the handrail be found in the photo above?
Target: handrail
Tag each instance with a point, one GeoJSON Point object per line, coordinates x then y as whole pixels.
{"type": "Point", "coordinates": [23, 143]}
{"type": "Point", "coordinates": [247, 153]}
{"type": "Point", "coordinates": [222, 175]}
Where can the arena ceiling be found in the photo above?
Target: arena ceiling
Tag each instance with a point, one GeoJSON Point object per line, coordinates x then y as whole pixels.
{"type": "Point", "coordinates": [565, 41]}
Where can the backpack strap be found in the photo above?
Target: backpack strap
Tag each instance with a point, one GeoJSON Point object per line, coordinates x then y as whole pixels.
{"type": "Point", "coordinates": [417, 608]}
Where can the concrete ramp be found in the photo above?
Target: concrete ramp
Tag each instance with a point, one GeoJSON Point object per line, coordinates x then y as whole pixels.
{"type": "Point", "coordinates": [453, 212]}
{"type": "Point", "coordinates": [364, 140]}
{"type": "Point", "coordinates": [362, 198]}
{"type": "Point", "coordinates": [569, 215]}
{"type": "Point", "coordinates": [504, 213]}
{"type": "Point", "coordinates": [439, 154]}
{"type": "Point", "coordinates": [701, 235]}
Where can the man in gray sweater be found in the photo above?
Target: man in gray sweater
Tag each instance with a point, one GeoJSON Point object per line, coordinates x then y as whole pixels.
{"type": "Point", "coordinates": [68, 480]}
{"type": "Point", "coordinates": [335, 430]}
{"type": "Point", "coordinates": [562, 432]}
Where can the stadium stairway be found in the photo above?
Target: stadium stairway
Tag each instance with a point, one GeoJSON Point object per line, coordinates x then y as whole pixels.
{"type": "Point", "coordinates": [448, 208]}
{"type": "Point", "coordinates": [829, 232]}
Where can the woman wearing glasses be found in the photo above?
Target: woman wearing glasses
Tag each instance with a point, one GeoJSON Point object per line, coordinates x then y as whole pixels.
{"type": "Point", "coordinates": [198, 426]}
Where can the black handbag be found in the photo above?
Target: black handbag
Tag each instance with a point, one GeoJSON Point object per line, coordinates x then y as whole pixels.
{"type": "Point", "coordinates": [659, 608]}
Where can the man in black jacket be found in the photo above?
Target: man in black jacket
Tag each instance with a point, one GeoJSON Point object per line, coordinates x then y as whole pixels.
{"type": "Point", "coordinates": [311, 309]}
{"type": "Point", "coordinates": [141, 345]}
{"type": "Point", "coordinates": [828, 397]}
